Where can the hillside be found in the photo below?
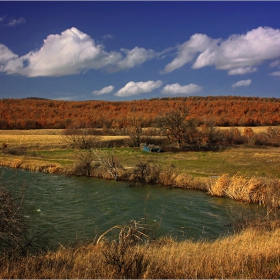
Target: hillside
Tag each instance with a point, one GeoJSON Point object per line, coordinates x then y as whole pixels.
{"type": "Point", "coordinates": [31, 113]}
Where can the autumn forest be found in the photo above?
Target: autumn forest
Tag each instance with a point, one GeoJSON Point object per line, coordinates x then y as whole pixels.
{"type": "Point", "coordinates": [34, 113]}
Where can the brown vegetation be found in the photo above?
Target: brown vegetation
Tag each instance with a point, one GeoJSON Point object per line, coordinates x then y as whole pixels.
{"type": "Point", "coordinates": [251, 254]}
{"type": "Point", "coordinates": [223, 110]}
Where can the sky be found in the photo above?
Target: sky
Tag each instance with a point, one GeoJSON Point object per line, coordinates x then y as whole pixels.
{"type": "Point", "coordinates": [126, 50]}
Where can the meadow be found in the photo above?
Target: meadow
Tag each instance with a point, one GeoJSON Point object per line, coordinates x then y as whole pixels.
{"type": "Point", "coordinates": [50, 147]}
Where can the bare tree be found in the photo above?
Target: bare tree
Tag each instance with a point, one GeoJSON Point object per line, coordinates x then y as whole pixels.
{"type": "Point", "coordinates": [134, 129]}
{"type": "Point", "coordinates": [110, 162]}
{"type": "Point", "coordinates": [174, 125]}
{"type": "Point", "coordinates": [84, 163]}
{"type": "Point", "coordinates": [81, 138]}
{"type": "Point", "coordinates": [131, 126]}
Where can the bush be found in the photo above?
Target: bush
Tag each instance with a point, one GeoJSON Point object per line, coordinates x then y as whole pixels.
{"type": "Point", "coordinates": [15, 151]}
{"type": "Point", "coordinates": [145, 173]}
{"type": "Point", "coordinates": [16, 238]}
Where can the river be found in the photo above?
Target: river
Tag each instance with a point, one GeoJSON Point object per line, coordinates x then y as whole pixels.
{"type": "Point", "coordinates": [79, 208]}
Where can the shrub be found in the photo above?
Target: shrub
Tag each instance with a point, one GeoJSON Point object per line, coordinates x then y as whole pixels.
{"type": "Point", "coordinates": [145, 173]}
{"type": "Point", "coordinates": [15, 151]}
{"type": "Point", "coordinates": [16, 238]}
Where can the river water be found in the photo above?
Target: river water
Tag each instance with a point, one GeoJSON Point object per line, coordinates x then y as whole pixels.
{"type": "Point", "coordinates": [79, 208]}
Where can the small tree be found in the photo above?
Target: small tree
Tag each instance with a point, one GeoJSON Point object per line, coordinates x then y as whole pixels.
{"type": "Point", "coordinates": [131, 126]}
{"type": "Point", "coordinates": [81, 138]}
{"type": "Point", "coordinates": [210, 136]}
{"type": "Point", "coordinates": [176, 127]}
{"type": "Point", "coordinates": [109, 162]}
{"type": "Point", "coordinates": [84, 163]}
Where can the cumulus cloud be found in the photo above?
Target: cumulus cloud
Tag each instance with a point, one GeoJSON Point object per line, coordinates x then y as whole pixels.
{"type": "Point", "coordinates": [73, 52]}
{"type": "Point", "coordinates": [5, 55]}
{"type": "Point", "coordinates": [133, 88]}
{"type": "Point", "coordinates": [15, 22]}
{"type": "Point", "coordinates": [243, 83]}
{"type": "Point", "coordinates": [178, 89]}
{"type": "Point", "coordinates": [277, 73]}
{"type": "Point", "coordinates": [133, 57]}
{"type": "Point", "coordinates": [187, 51]}
{"type": "Point", "coordinates": [239, 54]}
{"type": "Point", "coordinates": [104, 90]}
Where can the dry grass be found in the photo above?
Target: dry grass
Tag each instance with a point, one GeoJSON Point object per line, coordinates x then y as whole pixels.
{"type": "Point", "coordinates": [32, 165]}
{"type": "Point", "coordinates": [42, 138]}
{"type": "Point", "coordinates": [249, 255]}
{"type": "Point", "coordinates": [264, 191]}
{"type": "Point", "coordinates": [256, 129]}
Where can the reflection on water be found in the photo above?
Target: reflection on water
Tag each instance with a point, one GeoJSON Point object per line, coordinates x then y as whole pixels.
{"type": "Point", "coordinates": [76, 207]}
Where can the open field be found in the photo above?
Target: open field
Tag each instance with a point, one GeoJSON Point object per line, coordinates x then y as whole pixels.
{"type": "Point", "coordinates": [41, 138]}
{"type": "Point", "coordinates": [50, 147]}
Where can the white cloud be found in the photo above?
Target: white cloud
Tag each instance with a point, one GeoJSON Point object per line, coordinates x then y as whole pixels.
{"type": "Point", "coordinates": [187, 51]}
{"type": "Point", "coordinates": [2, 18]}
{"type": "Point", "coordinates": [15, 22]}
{"type": "Point", "coordinates": [133, 88]}
{"type": "Point", "coordinates": [243, 83]}
{"type": "Point", "coordinates": [104, 90]}
{"type": "Point", "coordinates": [277, 73]}
{"type": "Point", "coordinates": [73, 52]}
{"type": "Point", "coordinates": [108, 36]}
{"type": "Point", "coordinates": [275, 63]}
{"type": "Point", "coordinates": [134, 57]}
{"type": "Point", "coordinates": [239, 54]}
{"type": "Point", "coordinates": [5, 55]}
{"type": "Point", "coordinates": [178, 89]}
{"type": "Point", "coordinates": [242, 71]}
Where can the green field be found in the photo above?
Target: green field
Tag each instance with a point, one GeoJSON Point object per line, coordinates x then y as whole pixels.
{"type": "Point", "coordinates": [51, 147]}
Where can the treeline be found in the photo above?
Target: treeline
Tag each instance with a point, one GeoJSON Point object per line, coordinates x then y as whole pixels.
{"type": "Point", "coordinates": [34, 113]}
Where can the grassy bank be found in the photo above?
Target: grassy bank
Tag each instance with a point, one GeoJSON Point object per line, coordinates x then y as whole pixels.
{"type": "Point", "coordinates": [249, 174]}
{"type": "Point", "coordinates": [250, 254]}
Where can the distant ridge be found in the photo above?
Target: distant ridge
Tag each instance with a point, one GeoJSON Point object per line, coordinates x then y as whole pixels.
{"type": "Point", "coordinates": [36, 98]}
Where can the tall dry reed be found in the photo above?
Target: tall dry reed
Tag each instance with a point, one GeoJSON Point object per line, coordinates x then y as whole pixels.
{"type": "Point", "coordinates": [264, 191]}
{"type": "Point", "coordinates": [249, 255]}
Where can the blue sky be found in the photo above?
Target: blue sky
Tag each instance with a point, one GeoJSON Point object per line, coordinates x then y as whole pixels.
{"type": "Point", "coordinates": [139, 50]}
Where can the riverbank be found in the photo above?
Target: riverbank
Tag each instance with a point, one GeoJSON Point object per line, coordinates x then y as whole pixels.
{"type": "Point", "coordinates": [249, 174]}
{"type": "Point", "coordinates": [251, 254]}
{"type": "Point", "coordinates": [251, 189]}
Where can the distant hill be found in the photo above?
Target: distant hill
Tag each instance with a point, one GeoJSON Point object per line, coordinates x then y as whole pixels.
{"type": "Point", "coordinates": [34, 112]}
{"type": "Point", "coordinates": [36, 98]}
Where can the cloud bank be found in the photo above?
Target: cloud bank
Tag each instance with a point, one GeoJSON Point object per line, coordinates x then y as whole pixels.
{"type": "Point", "coordinates": [175, 89]}
{"type": "Point", "coordinates": [239, 54]}
{"type": "Point", "coordinates": [133, 88]}
{"type": "Point", "coordinates": [243, 83]}
{"type": "Point", "coordinates": [72, 52]}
